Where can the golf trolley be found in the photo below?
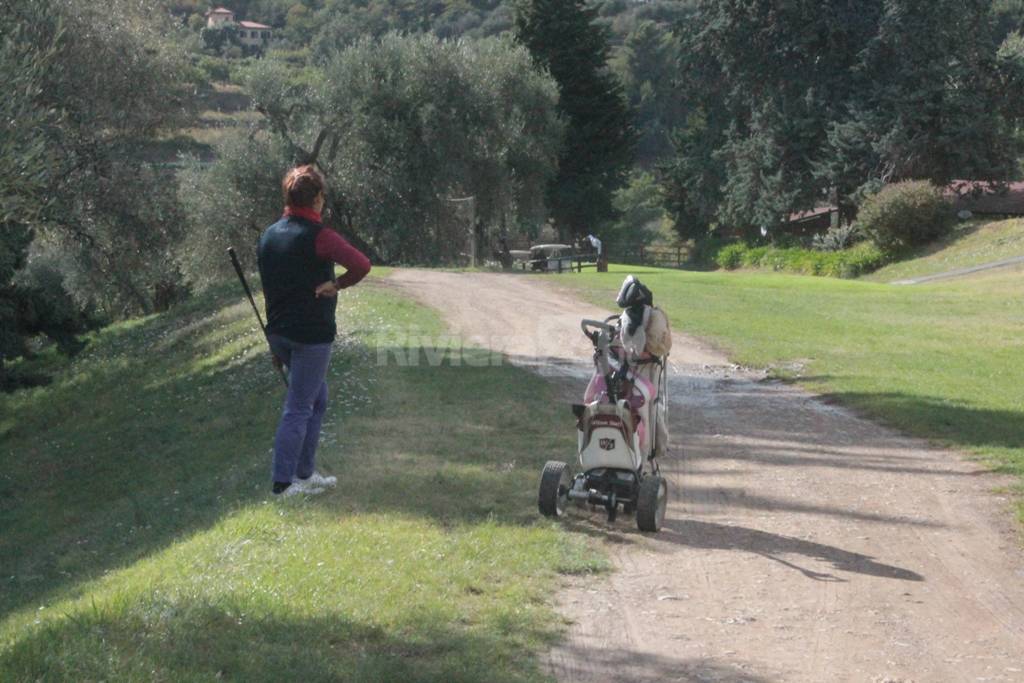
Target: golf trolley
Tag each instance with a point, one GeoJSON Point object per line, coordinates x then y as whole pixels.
{"type": "Point", "coordinates": [616, 432]}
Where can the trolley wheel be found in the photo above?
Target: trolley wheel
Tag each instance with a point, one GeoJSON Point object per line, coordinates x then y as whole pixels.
{"type": "Point", "coordinates": [651, 503]}
{"type": "Point", "coordinates": [555, 483]}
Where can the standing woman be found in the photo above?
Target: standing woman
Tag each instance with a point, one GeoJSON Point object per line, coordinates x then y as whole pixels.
{"type": "Point", "coordinates": [296, 259]}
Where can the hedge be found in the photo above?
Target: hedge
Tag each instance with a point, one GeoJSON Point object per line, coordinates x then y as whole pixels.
{"type": "Point", "coordinates": [847, 263]}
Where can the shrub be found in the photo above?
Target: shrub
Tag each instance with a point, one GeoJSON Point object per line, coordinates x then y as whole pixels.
{"type": "Point", "coordinates": [847, 263]}
{"type": "Point", "coordinates": [904, 215]}
{"type": "Point", "coordinates": [214, 68]}
{"type": "Point", "coordinates": [730, 256]}
{"type": "Point", "coordinates": [839, 237]}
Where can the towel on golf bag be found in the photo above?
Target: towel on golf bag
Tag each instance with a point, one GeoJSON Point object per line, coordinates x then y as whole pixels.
{"type": "Point", "coordinates": [645, 332]}
{"type": "Point", "coordinates": [659, 334]}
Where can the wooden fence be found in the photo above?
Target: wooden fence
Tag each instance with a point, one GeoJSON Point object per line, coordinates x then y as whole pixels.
{"type": "Point", "coordinates": [662, 257]}
{"type": "Point", "coordinates": [567, 263]}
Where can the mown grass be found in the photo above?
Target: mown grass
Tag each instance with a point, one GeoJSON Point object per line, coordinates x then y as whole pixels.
{"type": "Point", "coordinates": [141, 542]}
{"type": "Point", "coordinates": [943, 361]}
{"type": "Point", "coordinates": [969, 244]}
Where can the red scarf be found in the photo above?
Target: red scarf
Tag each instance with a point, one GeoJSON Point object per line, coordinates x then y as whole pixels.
{"type": "Point", "coordinates": [306, 212]}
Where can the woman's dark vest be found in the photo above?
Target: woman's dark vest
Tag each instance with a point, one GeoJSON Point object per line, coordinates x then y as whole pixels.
{"type": "Point", "coordinates": [291, 272]}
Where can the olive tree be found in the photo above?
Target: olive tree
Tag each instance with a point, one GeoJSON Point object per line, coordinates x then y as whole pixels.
{"type": "Point", "coordinates": [400, 126]}
{"type": "Point", "coordinates": [86, 88]}
{"type": "Point", "coordinates": [23, 169]}
{"type": "Point", "coordinates": [115, 81]}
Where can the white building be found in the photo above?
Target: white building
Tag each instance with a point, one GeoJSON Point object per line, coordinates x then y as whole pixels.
{"type": "Point", "coordinates": [250, 33]}
{"type": "Point", "coordinates": [216, 17]}
{"type": "Point", "coordinates": [253, 34]}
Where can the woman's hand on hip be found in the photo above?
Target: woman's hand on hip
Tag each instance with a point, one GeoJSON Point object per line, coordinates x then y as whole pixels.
{"type": "Point", "coordinates": [327, 289]}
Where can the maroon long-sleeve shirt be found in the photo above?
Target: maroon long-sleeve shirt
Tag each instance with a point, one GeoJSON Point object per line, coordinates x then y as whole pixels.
{"type": "Point", "coordinates": [330, 246]}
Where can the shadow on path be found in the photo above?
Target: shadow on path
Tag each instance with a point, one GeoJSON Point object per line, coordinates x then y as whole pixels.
{"type": "Point", "coordinates": [711, 536]}
{"type": "Point", "coordinates": [722, 496]}
{"type": "Point", "coordinates": [595, 664]}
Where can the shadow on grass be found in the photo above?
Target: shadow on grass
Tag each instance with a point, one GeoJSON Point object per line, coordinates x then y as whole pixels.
{"type": "Point", "coordinates": [817, 437]}
{"type": "Point", "coordinates": [130, 473]}
{"type": "Point", "coordinates": [225, 642]}
{"type": "Point", "coordinates": [632, 270]}
{"type": "Point", "coordinates": [149, 453]}
{"type": "Point", "coordinates": [963, 426]}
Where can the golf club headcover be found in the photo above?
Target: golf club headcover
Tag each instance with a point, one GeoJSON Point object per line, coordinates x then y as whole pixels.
{"type": "Point", "coordinates": [633, 292]}
{"type": "Point", "coordinates": [633, 296]}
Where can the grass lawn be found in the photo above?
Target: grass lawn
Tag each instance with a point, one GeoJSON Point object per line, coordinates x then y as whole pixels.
{"type": "Point", "coordinates": [140, 541]}
{"type": "Point", "coordinates": [970, 244]}
{"type": "Point", "coordinates": [943, 361]}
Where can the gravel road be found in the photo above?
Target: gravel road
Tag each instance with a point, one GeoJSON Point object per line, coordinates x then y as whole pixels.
{"type": "Point", "coordinates": [802, 543]}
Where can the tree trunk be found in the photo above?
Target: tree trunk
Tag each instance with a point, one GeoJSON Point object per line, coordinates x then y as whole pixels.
{"type": "Point", "coordinates": [346, 229]}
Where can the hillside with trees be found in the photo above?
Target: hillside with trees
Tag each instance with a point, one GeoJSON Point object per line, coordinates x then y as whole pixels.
{"type": "Point", "coordinates": [686, 123]}
{"type": "Point", "coordinates": [401, 127]}
{"type": "Point", "coordinates": [329, 24]}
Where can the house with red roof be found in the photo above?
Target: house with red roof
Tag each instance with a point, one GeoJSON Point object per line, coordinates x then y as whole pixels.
{"type": "Point", "coordinates": [987, 198]}
{"type": "Point", "coordinates": [218, 16]}
{"type": "Point", "coordinates": [251, 34]}
{"type": "Point", "coordinates": [982, 197]}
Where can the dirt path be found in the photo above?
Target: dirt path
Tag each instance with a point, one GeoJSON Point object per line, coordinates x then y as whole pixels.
{"type": "Point", "coordinates": [960, 272]}
{"type": "Point", "coordinates": [802, 543]}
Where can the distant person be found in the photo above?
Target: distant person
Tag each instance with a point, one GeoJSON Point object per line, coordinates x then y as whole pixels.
{"type": "Point", "coordinates": [602, 259]}
{"type": "Point", "coordinates": [296, 260]}
{"type": "Point", "coordinates": [503, 254]}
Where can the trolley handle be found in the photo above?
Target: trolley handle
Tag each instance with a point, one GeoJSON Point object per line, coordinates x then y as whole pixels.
{"type": "Point", "coordinates": [593, 330]}
{"type": "Point", "coordinates": [585, 324]}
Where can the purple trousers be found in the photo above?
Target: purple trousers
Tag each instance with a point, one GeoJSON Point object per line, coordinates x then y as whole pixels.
{"type": "Point", "coordinates": [299, 430]}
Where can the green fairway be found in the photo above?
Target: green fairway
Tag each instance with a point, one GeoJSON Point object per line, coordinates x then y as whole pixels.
{"type": "Point", "coordinates": [943, 361]}
{"type": "Point", "coordinates": [140, 541]}
{"type": "Point", "coordinates": [970, 244]}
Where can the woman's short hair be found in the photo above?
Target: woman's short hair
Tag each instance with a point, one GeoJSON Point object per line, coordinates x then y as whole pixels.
{"type": "Point", "coordinates": [301, 186]}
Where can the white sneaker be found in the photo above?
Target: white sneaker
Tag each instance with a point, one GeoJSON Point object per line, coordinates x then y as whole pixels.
{"type": "Point", "coordinates": [317, 480]}
{"type": "Point", "coordinates": [301, 486]}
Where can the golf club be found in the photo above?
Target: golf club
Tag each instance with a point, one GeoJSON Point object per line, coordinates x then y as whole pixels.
{"type": "Point", "coordinates": [248, 292]}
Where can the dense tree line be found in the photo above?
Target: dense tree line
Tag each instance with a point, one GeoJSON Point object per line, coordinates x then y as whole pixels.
{"type": "Point", "coordinates": [794, 104]}
{"type": "Point", "coordinates": [403, 125]}
{"type": "Point", "coordinates": [750, 110]}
